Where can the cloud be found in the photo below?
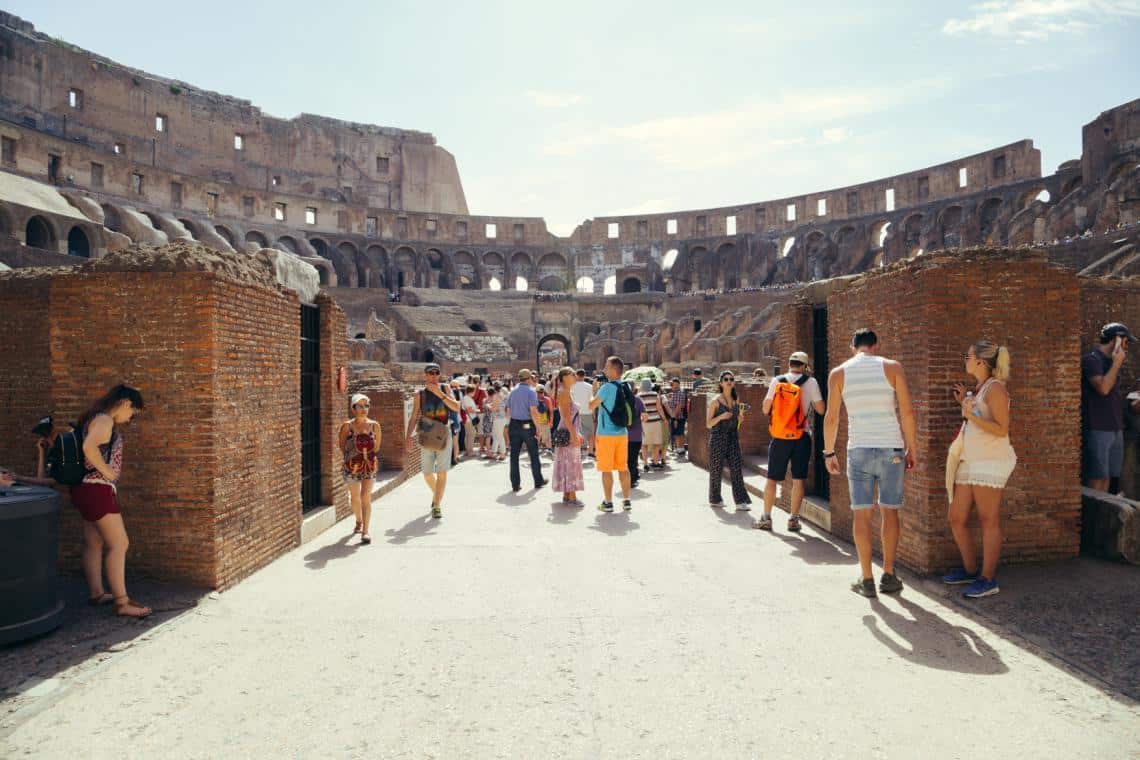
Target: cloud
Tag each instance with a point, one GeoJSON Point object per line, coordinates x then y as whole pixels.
{"type": "Point", "coordinates": [553, 99]}
{"type": "Point", "coordinates": [1026, 21]}
{"type": "Point", "coordinates": [750, 130]}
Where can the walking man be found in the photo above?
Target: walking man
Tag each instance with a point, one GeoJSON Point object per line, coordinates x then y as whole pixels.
{"type": "Point", "coordinates": [522, 406]}
{"type": "Point", "coordinates": [614, 407]}
{"type": "Point", "coordinates": [879, 449]}
{"type": "Point", "coordinates": [790, 400]}
{"type": "Point", "coordinates": [677, 407]}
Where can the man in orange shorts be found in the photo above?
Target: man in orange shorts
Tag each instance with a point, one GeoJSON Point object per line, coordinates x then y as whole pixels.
{"type": "Point", "coordinates": [610, 404]}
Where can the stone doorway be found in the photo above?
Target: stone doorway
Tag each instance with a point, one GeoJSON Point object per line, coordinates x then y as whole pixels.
{"type": "Point", "coordinates": [310, 407]}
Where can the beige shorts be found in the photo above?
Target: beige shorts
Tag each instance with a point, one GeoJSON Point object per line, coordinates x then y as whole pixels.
{"type": "Point", "coordinates": [653, 434]}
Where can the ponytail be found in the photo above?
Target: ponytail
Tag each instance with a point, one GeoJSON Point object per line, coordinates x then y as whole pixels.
{"type": "Point", "coordinates": [996, 358]}
{"type": "Point", "coordinates": [1001, 366]}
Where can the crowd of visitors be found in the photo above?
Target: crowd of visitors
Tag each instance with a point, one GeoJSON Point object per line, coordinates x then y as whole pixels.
{"type": "Point", "coordinates": [628, 428]}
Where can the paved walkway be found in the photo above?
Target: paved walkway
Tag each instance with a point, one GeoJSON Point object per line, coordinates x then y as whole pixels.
{"type": "Point", "coordinates": [517, 628]}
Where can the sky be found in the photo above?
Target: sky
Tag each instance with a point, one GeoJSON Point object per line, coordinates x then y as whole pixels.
{"type": "Point", "coordinates": [588, 108]}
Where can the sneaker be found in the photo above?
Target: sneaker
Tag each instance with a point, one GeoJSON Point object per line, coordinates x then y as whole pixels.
{"type": "Point", "coordinates": [981, 587]}
{"type": "Point", "coordinates": [745, 507]}
{"type": "Point", "coordinates": [864, 587]}
{"type": "Point", "coordinates": [436, 511]}
{"type": "Point", "coordinates": [794, 524]}
{"type": "Point", "coordinates": [889, 583]}
{"type": "Point", "coordinates": [626, 505]}
{"type": "Point", "coordinates": [764, 523]}
{"type": "Point", "coordinates": [573, 503]}
{"type": "Point", "coordinates": [958, 576]}
{"type": "Point", "coordinates": [606, 506]}
{"type": "Point", "coordinates": [716, 504]}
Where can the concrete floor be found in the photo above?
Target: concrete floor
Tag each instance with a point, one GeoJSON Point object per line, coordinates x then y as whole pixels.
{"type": "Point", "coordinates": [518, 628]}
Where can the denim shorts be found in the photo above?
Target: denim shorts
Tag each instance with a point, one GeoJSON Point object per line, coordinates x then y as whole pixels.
{"type": "Point", "coordinates": [436, 461]}
{"type": "Point", "coordinates": [867, 468]}
{"type": "Point", "coordinates": [1104, 454]}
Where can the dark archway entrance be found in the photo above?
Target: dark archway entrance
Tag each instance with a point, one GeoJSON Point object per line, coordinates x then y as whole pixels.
{"type": "Point", "coordinates": [78, 244]}
{"type": "Point", "coordinates": [556, 337]}
{"type": "Point", "coordinates": [37, 234]}
{"type": "Point", "coordinates": [631, 285]}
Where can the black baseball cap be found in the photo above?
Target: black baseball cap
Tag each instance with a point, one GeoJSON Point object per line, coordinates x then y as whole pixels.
{"type": "Point", "coordinates": [43, 428]}
{"type": "Point", "coordinates": [696, 370]}
{"type": "Point", "coordinates": [1116, 330]}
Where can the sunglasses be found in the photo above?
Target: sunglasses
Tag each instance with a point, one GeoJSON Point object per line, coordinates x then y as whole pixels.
{"type": "Point", "coordinates": [728, 380]}
{"type": "Point", "coordinates": [432, 372]}
{"type": "Point", "coordinates": [364, 405]}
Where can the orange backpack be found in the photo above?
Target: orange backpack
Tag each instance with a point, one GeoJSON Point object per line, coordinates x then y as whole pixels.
{"type": "Point", "coordinates": [786, 420]}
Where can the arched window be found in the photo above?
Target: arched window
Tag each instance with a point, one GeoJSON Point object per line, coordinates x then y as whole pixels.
{"type": "Point", "coordinates": [521, 283]}
{"type": "Point", "coordinates": [585, 285]}
{"type": "Point", "coordinates": [493, 284]}
{"type": "Point", "coordinates": [609, 287]}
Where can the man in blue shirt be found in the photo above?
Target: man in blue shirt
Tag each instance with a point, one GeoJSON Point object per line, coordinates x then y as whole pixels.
{"type": "Point", "coordinates": [612, 441]}
{"type": "Point", "coordinates": [522, 406]}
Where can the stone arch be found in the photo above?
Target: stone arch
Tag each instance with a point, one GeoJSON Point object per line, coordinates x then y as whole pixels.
{"type": "Point", "coordinates": [1025, 200]}
{"type": "Point", "coordinates": [950, 227]}
{"type": "Point", "coordinates": [466, 270]}
{"type": "Point", "coordinates": [1071, 185]}
{"type": "Point", "coordinates": [195, 233]}
{"type": "Point", "coordinates": [287, 243]}
{"type": "Point", "coordinates": [698, 268]}
{"type": "Point", "coordinates": [585, 284]}
{"type": "Point", "coordinates": [257, 238]}
{"type": "Point", "coordinates": [1118, 171]}
{"type": "Point", "coordinates": [357, 264]}
{"type": "Point", "coordinates": [521, 265]}
{"type": "Point", "coordinates": [39, 232]}
{"type": "Point", "coordinates": [556, 337]}
{"type": "Point", "coordinates": [227, 235]}
{"type": "Point", "coordinates": [78, 243]}
{"type": "Point", "coordinates": [631, 285]}
{"type": "Point", "coordinates": [750, 351]}
{"type": "Point", "coordinates": [551, 283]}
{"type": "Point", "coordinates": [345, 271]}
{"type": "Point", "coordinates": [7, 221]}
{"type": "Point", "coordinates": [111, 218]}
{"type": "Point", "coordinates": [378, 262]}
{"type": "Point", "coordinates": [728, 266]}
{"type": "Point", "coordinates": [988, 216]}
{"type": "Point", "coordinates": [725, 352]}
{"type": "Point", "coordinates": [494, 268]}
{"type": "Point", "coordinates": [404, 262]}
{"type": "Point", "coordinates": [877, 236]}
{"type": "Point", "coordinates": [912, 234]}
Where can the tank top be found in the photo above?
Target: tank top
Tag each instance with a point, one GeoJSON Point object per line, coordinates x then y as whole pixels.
{"type": "Point", "coordinates": [982, 445]}
{"type": "Point", "coordinates": [432, 407]}
{"type": "Point", "coordinates": [872, 422]}
{"type": "Point", "coordinates": [112, 452]}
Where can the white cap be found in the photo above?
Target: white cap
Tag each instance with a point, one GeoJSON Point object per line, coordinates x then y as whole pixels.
{"type": "Point", "coordinates": [357, 398]}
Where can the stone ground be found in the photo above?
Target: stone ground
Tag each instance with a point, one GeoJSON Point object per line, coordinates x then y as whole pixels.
{"type": "Point", "coordinates": [516, 627]}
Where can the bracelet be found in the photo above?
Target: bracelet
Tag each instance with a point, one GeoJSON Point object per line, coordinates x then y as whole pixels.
{"type": "Point", "coordinates": [829, 455]}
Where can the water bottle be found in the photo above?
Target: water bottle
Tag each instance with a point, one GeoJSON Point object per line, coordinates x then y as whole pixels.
{"type": "Point", "coordinates": [973, 409]}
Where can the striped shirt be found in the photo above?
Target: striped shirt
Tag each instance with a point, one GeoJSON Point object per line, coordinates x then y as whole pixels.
{"type": "Point", "coordinates": [872, 422]}
{"type": "Point", "coordinates": [652, 405]}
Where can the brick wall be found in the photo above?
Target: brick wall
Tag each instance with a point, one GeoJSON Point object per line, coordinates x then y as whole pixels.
{"type": "Point", "coordinates": [211, 481]}
{"type": "Point", "coordinates": [926, 315]}
{"type": "Point", "coordinates": [334, 403]}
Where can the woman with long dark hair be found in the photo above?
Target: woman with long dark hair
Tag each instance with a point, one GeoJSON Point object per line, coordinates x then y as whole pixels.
{"type": "Point", "coordinates": [104, 535]}
{"type": "Point", "coordinates": [724, 416]}
{"type": "Point", "coordinates": [567, 476]}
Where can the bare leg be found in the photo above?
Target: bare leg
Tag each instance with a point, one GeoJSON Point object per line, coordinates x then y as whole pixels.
{"type": "Point", "coordinates": [890, 519]}
{"type": "Point", "coordinates": [958, 517]}
{"type": "Point", "coordinates": [989, 514]}
{"type": "Point", "coordinates": [440, 484]}
{"type": "Point", "coordinates": [1099, 484]}
{"type": "Point", "coordinates": [365, 506]}
{"type": "Point", "coordinates": [93, 559]}
{"type": "Point", "coordinates": [429, 478]}
{"type": "Point", "coordinates": [769, 496]}
{"type": "Point", "coordinates": [863, 543]}
{"type": "Point", "coordinates": [797, 496]}
{"type": "Point", "coordinates": [114, 535]}
{"type": "Point", "coordinates": [624, 478]}
{"type": "Point", "coordinates": [608, 485]}
{"type": "Point", "coordinates": [354, 497]}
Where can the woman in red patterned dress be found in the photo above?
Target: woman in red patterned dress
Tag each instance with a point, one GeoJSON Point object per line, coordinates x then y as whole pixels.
{"type": "Point", "coordinates": [360, 443]}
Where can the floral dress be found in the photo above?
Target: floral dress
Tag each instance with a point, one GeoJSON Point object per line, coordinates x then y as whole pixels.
{"type": "Point", "coordinates": [360, 456]}
{"type": "Point", "coordinates": [567, 475]}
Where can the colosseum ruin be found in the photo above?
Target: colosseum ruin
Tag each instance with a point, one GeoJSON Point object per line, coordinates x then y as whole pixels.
{"type": "Point", "coordinates": [368, 231]}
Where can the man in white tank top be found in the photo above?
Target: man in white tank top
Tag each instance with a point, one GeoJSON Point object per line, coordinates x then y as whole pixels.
{"type": "Point", "coordinates": [881, 446]}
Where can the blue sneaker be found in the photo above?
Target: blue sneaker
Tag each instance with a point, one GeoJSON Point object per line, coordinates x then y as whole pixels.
{"type": "Point", "coordinates": [981, 587]}
{"type": "Point", "coordinates": [958, 576]}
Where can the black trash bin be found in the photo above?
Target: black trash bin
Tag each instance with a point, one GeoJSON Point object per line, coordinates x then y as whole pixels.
{"type": "Point", "coordinates": [29, 562]}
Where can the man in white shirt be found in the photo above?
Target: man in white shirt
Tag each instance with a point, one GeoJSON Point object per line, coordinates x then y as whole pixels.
{"type": "Point", "coordinates": [581, 393]}
{"type": "Point", "coordinates": [791, 443]}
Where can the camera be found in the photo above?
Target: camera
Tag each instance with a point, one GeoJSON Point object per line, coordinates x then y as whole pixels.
{"type": "Point", "coordinates": [745, 407]}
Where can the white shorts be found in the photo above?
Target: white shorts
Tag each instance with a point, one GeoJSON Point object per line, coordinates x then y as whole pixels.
{"type": "Point", "coordinates": [653, 434]}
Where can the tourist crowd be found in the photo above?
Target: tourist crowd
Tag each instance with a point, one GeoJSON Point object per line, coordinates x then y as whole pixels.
{"type": "Point", "coordinates": [631, 428]}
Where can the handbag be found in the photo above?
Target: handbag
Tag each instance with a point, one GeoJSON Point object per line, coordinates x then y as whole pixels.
{"type": "Point", "coordinates": [433, 435]}
{"type": "Point", "coordinates": [953, 459]}
{"type": "Point", "coordinates": [560, 437]}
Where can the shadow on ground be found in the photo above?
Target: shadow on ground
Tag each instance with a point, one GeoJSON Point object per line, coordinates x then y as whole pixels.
{"type": "Point", "coordinates": [87, 636]}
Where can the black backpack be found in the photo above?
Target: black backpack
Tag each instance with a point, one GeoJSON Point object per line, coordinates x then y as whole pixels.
{"type": "Point", "coordinates": [622, 413]}
{"type": "Point", "coordinates": [64, 459]}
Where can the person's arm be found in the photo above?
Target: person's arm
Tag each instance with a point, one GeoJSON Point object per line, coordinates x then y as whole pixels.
{"type": "Point", "coordinates": [817, 402]}
{"type": "Point", "coordinates": [534, 415]}
{"type": "Point", "coordinates": [564, 410]}
{"type": "Point", "coordinates": [378, 435]}
{"type": "Point", "coordinates": [1103, 384]}
{"type": "Point", "coordinates": [711, 418]}
{"type": "Point", "coordinates": [998, 399]}
{"type": "Point", "coordinates": [766, 407]}
{"type": "Point", "coordinates": [907, 421]}
{"type": "Point", "coordinates": [412, 420]}
{"type": "Point", "coordinates": [41, 464]}
{"type": "Point", "coordinates": [447, 400]}
{"type": "Point", "coordinates": [831, 419]}
{"type": "Point", "coordinates": [342, 436]}
{"type": "Point", "coordinates": [98, 434]}
{"type": "Point", "coordinates": [596, 399]}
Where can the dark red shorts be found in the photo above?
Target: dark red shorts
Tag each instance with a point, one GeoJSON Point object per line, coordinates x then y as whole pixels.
{"type": "Point", "coordinates": [94, 501]}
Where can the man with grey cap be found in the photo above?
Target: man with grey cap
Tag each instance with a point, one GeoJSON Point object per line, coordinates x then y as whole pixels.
{"type": "Point", "coordinates": [522, 408]}
{"type": "Point", "coordinates": [791, 435]}
{"type": "Point", "coordinates": [1102, 406]}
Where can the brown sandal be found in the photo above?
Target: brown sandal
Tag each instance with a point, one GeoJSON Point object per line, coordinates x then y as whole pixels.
{"type": "Point", "coordinates": [102, 599]}
{"type": "Point", "coordinates": [357, 528]}
{"type": "Point", "coordinates": [121, 608]}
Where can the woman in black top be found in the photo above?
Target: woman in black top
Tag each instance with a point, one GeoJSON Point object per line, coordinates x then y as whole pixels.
{"type": "Point", "coordinates": [724, 416]}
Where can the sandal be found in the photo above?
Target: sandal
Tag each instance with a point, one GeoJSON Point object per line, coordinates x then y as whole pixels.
{"type": "Point", "coordinates": [102, 599]}
{"type": "Point", "coordinates": [122, 607]}
{"type": "Point", "coordinates": [356, 529]}
{"type": "Point", "coordinates": [365, 538]}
